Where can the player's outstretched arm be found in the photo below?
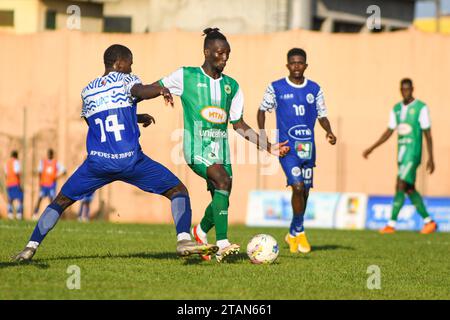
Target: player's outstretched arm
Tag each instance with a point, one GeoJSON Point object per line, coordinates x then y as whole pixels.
{"type": "Point", "coordinates": [150, 91]}
{"type": "Point", "coordinates": [384, 137]}
{"type": "Point", "coordinates": [145, 119]}
{"type": "Point", "coordinates": [325, 124]}
{"type": "Point", "coordinates": [279, 149]}
{"type": "Point", "coordinates": [429, 139]}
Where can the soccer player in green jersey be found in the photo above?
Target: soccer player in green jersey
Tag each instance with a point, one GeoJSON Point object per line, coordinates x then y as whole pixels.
{"type": "Point", "coordinates": [411, 118]}
{"type": "Point", "coordinates": [210, 100]}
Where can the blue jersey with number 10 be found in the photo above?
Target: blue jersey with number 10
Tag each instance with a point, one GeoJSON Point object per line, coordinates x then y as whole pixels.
{"type": "Point", "coordinates": [297, 108]}
{"type": "Point", "coordinates": [110, 109]}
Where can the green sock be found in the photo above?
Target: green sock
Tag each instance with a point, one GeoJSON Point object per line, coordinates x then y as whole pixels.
{"type": "Point", "coordinates": [208, 219]}
{"type": "Point", "coordinates": [219, 206]}
{"type": "Point", "coordinates": [417, 201]}
{"type": "Point", "coordinates": [399, 200]}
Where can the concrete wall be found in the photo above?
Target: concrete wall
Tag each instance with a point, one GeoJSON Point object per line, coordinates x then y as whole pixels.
{"type": "Point", "coordinates": [359, 74]}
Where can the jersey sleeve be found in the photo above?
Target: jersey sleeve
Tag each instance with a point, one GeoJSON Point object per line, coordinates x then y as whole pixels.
{"type": "Point", "coordinates": [130, 80]}
{"type": "Point", "coordinates": [40, 166]}
{"type": "Point", "coordinates": [392, 120]}
{"type": "Point", "coordinates": [424, 118]}
{"type": "Point", "coordinates": [16, 167]}
{"type": "Point", "coordinates": [269, 101]}
{"type": "Point", "coordinates": [237, 106]}
{"type": "Point", "coordinates": [322, 111]}
{"type": "Point", "coordinates": [174, 82]}
{"type": "Point", "coordinates": [60, 168]}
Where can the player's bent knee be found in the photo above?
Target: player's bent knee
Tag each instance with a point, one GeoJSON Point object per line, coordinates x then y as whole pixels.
{"type": "Point", "coordinates": [63, 201]}
{"type": "Point", "coordinates": [299, 188]}
{"type": "Point", "coordinates": [224, 183]}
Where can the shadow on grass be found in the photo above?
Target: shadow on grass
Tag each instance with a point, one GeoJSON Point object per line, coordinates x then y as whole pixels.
{"type": "Point", "coordinates": [14, 264]}
{"type": "Point", "coordinates": [327, 247]}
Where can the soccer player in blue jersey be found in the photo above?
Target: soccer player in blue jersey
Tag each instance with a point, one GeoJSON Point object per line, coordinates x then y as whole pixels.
{"type": "Point", "coordinates": [297, 102]}
{"type": "Point", "coordinates": [114, 152]}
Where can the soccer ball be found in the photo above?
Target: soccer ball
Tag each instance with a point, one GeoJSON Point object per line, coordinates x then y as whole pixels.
{"type": "Point", "coordinates": [262, 249]}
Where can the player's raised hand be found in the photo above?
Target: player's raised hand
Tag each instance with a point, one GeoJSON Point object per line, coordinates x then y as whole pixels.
{"type": "Point", "coordinates": [147, 120]}
{"type": "Point", "coordinates": [167, 96]}
{"type": "Point", "coordinates": [331, 138]}
{"type": "Point", "coordinates": [280, 149]}
{"type": "Point", "coordinates": [430, 166]}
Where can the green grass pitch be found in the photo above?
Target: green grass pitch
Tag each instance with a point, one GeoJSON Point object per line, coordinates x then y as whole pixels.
{"type": "Point", "coordinates": [130, 261]}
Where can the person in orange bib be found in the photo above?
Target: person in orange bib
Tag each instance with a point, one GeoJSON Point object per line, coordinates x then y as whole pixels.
{"type": "Point", "coordinates": [14, 190]}
{"type": "Point", "coordinates": [49, 171]}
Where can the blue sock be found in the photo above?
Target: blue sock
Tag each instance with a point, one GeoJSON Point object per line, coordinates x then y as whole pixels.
{"type": "Point", "coordinates": [46, 222]}
{"type": "Point", "coordinates": [182, 213]}
{"type": "Point", "coordinates": [296, 225]}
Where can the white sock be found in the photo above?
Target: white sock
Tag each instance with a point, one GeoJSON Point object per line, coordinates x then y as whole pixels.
{"type": "Point", "coordinates": [200, 232]}
{"type": "Point", "coordinates": [223, 243]}
{"type": "Point", "coordinates": [392, 223]}
{"type": "Point", "coordinates": [33, 244]}
{"type": "Point", "coordinates": [427, 220]}
{"type": "Point", "coordinates": [183, 236]}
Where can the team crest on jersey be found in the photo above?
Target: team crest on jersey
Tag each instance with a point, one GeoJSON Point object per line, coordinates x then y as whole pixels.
{"type": "Point", "coordinates": [310, 98]}
{"type": "Point", "coordinates": [412, 111]}
{"type": "Point", "coordinates": [227, 88]}
{"type": "Point", "coordinates": [404, 129]}
{"type": "Point", "coordinates": [214, 114]}
{"type": "Point", "coordinates": [296, 171]}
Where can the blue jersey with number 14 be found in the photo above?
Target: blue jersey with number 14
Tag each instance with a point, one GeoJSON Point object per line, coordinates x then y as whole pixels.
{"type": "Point", "coordinates": [110, 109]}
{"type": "Point", "coordinates": [297, 107]}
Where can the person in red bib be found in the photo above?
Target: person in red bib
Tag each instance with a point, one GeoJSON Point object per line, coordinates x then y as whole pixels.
{"type": "Point", "coordinates": [14, 190]}
{"type": "Point", "coordinates": [49, 171]}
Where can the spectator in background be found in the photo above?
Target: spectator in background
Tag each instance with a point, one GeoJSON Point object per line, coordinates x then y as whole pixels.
{"type": "Point", "coordinates": [85, 207]}
{"type": "Point", "coordinates": [14, 190]}
{"type": "Point", "coordinates": [49, 171]}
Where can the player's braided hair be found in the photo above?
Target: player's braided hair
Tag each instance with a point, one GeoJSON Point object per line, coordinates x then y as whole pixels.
{"type": "Point", "coordinates": [211, 35]}
{"type": "Point", "coordinates": [296, 52]}
{"type": "Point", "coordinates": [114, 53]}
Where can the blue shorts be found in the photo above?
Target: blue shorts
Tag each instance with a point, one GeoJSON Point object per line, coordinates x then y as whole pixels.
{"type": "Point", "coordinates": [15, 193]}
{"type": "Point", "coordinates": [146, 174]}
{"type": "Point", "coordinates": [48, 191]}
{"type": "Point", "coordinates": [297, 170]}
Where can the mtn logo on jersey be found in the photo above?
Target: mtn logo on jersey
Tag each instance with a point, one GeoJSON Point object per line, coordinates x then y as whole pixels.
{"type": "Point", "coordinates": [404, 129]}
{"type": "Point", "coordinates": [214, 115]}
{"type": "Point", "coordinates": [300, 132]}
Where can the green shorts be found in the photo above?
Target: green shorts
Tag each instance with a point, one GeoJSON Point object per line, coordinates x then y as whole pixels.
{"type": "Point", "coordinates": [200, 165]}
{"type": "Point", "coordinates": [407, 171]}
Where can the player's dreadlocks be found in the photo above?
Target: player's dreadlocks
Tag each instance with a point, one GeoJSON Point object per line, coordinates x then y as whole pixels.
{"type": "Point", "coordinates": [406, 81]}
{"type": "Point", "coordinates": [211, 35]}
{"type": "Point", "coordinates": [296, 52]}
{"type": "Point", "coordinates": [114, 53]}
